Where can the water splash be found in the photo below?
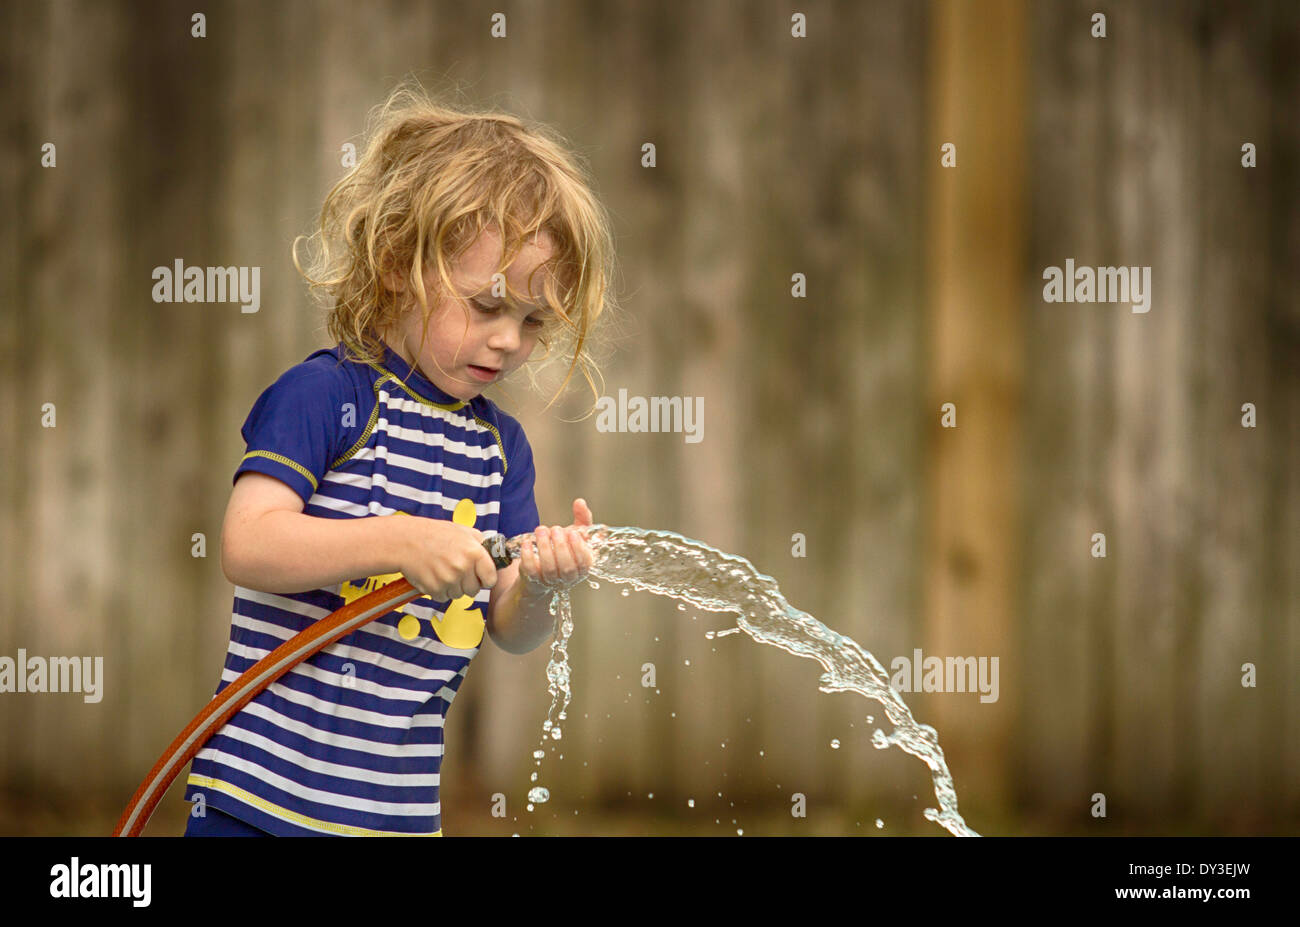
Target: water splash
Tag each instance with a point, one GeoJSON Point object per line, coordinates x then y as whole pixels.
{"type": "Point", "coordinates": [557, 682]}
{"type": "Point", "coordinates": [668, 564]}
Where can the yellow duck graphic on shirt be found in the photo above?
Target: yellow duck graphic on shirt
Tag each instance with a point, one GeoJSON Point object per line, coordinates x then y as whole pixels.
{"type": "Point", "coordinates": [461, 626]}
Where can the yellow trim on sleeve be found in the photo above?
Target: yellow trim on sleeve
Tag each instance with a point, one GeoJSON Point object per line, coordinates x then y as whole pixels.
{"type": "Point", "coordinates": [257, 801]}
{"type": "Point", "coordinates": [365, 435]}
{"type": "Point", "coordinates": [280, 458]}
{"type": "Point", "coordinates": [500, 447]}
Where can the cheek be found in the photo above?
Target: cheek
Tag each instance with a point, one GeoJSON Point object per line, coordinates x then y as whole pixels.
{"type": "Point", "coordinates": [448, 328]}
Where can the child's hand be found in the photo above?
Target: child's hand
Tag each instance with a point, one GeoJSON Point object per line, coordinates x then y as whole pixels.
{"type": "Point", "coordinates": [445, 560]}
{"type": "Point", "coordinates": [556, 558]}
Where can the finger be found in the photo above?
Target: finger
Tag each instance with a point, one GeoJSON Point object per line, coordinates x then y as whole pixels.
{"type": "Point", "coordinates": [537, 557]}
{"type": "Point", "coordinates": [545, 554]}
{"type": "Point", "coordinates": [565, 564]}
{"type": "Point", "coordinates": [579, 544]}
{"type": "Point", "coordinates": [581, 513]}
{"type": "Point", "coordinates": [485, 570]}
{"type": "Point", "coordinates": [557, 549]}
{"type": "Point", "coordinates": [533, 560]}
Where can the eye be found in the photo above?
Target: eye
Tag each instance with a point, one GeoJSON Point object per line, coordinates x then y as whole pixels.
{"type": "Point", "coordinates": [531, 323]}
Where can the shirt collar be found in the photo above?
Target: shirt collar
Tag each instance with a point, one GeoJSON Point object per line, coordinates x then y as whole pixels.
{"type": "Point", "coordinates": [415, 380]}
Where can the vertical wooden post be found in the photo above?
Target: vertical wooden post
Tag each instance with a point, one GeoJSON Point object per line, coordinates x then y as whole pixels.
{"type": "Point", "coordinates": [975, 254]}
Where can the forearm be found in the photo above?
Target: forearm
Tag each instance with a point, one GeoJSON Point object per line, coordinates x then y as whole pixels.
{"type": "Point", "coordinates": [519, 614]}
{"type": "Point", "coordinates": [282, 552]}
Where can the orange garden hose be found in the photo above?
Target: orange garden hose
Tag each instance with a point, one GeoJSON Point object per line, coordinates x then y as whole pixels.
{"type": "Point", "coordinates": [252, 681]}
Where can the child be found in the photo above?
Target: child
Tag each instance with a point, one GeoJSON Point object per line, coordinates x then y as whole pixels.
{"type": "Point", "coordinates": [466, 239]}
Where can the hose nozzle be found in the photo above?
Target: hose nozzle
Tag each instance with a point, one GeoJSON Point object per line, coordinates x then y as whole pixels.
{"type": "Point", "coordinates": [497, 550]}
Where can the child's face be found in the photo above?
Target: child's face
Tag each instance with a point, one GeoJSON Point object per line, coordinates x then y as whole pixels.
{"type": "Point", "coordinates": [461, 360]}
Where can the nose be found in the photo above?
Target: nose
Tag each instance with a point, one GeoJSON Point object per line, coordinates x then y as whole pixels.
{"type": "Point", "coordinates": [505, 334]}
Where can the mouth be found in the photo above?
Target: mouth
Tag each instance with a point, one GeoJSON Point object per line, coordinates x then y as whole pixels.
{"type": "Point", "coordinates": [486, 374]}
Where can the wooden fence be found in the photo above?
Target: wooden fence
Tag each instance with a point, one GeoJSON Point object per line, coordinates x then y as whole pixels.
{"type": "Point", "coordinates": [776, 156]}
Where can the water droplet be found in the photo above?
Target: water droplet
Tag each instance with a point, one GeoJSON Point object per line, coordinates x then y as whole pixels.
{"type": "Point", "coordinates": [533, 777]}
{"type": "Point", "coordinates": [556, 734]}
{"type": "Point", "coordinates": [538, 754]}
{"type": "Point", "coordinates": [740, 831]}
{"type": "Point", "coordinates": [690, 803]}
{"type": "Point", "coordinates": [879, 823]}
{"type": "Point", "coordinates": [625, 593]}
{"type": "Point", "coordinates": [681, 607]}
{"type": "Point", "coordinates": [530, 807]}
{"type": "Point", "coordinates": [760, 752]}
{"type": "Point", "coordinates": [538, 795]}
{"type": "Point", "coordinates": [879, 740]}
{"type": "Point", "coordinates": [546, 725]}
{"type": "Point", "coordinates": [650, 795]}
{"type": "Point", "coordinates": [593, 584]}
{"type": "Point", "coordinates": [708, 635]}
{"type": "Point", "coordinates": [688, 662]}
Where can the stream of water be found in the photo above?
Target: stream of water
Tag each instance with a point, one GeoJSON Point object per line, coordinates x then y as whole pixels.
{"type": "Point", "coordinates": [668, 564]}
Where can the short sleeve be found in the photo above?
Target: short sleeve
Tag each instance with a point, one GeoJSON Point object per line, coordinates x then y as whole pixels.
{"type": "Point", "coordinates": [299, 425]}
{"type": "Point", "coordinates": [518, 507]}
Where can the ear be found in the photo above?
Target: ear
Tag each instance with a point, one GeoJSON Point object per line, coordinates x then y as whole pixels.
{"type": "Point", "coordinates": [394, 281]}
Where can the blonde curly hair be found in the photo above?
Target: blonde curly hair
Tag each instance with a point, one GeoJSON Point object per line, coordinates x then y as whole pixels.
{"type": "Point", "coordinates": [433, 176]}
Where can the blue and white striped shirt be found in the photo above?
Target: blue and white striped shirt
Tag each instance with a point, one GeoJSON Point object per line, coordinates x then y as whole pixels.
{"type": "Point", "coordinates": [350, 741]}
